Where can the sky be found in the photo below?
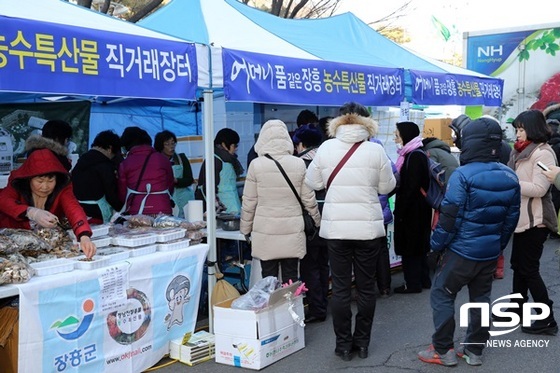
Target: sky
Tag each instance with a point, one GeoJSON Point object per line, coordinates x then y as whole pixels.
{"type": "Point", "coordinates": [458, 16]}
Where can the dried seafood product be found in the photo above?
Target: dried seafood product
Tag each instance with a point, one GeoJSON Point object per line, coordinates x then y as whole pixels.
{"type": "Point", "coordinates": [14, 269]}
{"type": "Point", "coordinates": [139, 220]}
{"type": "Point", "coordinates": [28, 242]}
{"type": "Point", "coordinates": [167, 221]}
{"type": "Point", "coordinates": [58, 238]}
{"type": "Point", "coordinates": [7, 245]}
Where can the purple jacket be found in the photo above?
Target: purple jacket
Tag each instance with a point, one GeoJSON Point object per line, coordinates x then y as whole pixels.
{"type": "Point", "coordinates": [158, 173]}
{"type": "Point", "coordinates": [384, 198]}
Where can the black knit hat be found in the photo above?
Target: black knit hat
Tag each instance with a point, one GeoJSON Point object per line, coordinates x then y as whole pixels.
{"type": "Point", "coordinates": [408, 131]}
{"type": "Point", "coordinates": [309, 135]}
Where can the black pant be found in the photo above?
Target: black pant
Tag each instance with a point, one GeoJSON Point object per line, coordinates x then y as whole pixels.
{"type": "Point", "coordinates": [314, 270]}
{"type": "Point", "coordinates": [416, 271]}
{"type": "Point", "coordinates": [288, 266]}
{"type": "Point", "coordinates": [359, 257]}
{"type": "Point", "coordinates": [526, 254]}
{"type": "Point", "coordinates": [383, 272]}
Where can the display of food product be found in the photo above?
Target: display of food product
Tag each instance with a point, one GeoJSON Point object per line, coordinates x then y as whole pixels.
{"type": "Point", "coordinates": [173, 245]}
{"type": "Point", "coordinates": [102, 241]}
{"type": "Point", "coordinates": [169, 234]}
{"type": "Point", "coordinates": [28, 242]}
{"type": "Point", "coordinates": [81, 262]}
{"type": "Point", "coordinates": [133, 240]}
{"type": "Point", "coordinates": [52, 267]}
{"type": "Point", "coordinates": [143, 250]}
{"type": "Point", "coordinates": [14, 269]}
{"type": "Point", "coordinates": [115, 254]}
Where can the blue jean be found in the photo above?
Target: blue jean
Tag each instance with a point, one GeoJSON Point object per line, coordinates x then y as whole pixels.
{"type": "Point", "coordinates": [452, 274]}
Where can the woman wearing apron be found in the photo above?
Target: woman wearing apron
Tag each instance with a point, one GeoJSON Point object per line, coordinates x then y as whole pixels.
{"type": "Point", "coordinates": [146, 179]}
{"type": "Point", "coordinates": [227, 170]}
{"type": "Point", "coordinates": [94, 178]}
{"type": "Point", "coordinates": [165, 142]}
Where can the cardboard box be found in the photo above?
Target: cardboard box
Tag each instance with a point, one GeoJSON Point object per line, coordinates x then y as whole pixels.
{"type": "Point", "coordinates": [9, 338]}
{"type": "Point", "coordinates": [256, 339]}
{"type": "Point", "coordinates": [437, 128]}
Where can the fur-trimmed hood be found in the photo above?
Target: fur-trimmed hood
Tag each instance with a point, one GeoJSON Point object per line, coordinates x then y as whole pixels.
{"type": "Point", "coordinates": [40, 142]}
{"type": "Point", "coordinates": [352, 128]}
{"type": "Point", "coordinates": [550, 109]}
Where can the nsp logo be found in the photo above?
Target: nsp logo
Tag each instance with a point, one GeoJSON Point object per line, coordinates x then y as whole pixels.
{"type": "Point", "coordinates": [527, 317]}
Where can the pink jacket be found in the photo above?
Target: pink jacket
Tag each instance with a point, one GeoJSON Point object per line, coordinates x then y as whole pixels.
{"type": "Point", "coordinates": [157, 173]}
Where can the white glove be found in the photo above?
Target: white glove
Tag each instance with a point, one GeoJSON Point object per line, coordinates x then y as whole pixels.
{"type": "Point", "coordinates": [42, 217]}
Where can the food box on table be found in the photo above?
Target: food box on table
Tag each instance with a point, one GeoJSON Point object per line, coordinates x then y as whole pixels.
{"type": "Point", "coordinates": [173, 245]}
{"type": "Point", "coordinates": [52, 267]}
{"type": "Point", "coordinates": [134, 240]}
{"type": "Point", "coordinates": [115, 254]}
{"type": "Point", "coordinates": [96, 262]}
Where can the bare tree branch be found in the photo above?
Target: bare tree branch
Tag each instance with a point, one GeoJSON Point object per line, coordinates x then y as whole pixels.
{"type": "Point", "coordinates": [147, 9]}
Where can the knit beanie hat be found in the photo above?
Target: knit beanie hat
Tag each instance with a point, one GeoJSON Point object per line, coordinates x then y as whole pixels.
{"type": "Point", "coordinates": [408, 131]}
{"type": "Point", "coordinates": [309, 135]}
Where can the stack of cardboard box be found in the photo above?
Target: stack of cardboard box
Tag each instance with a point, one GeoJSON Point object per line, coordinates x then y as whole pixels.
{"type": "Point", "coordinates": [438, 128]}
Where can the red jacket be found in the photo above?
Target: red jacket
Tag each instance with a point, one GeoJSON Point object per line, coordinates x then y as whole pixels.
{"type": "Point", "coordinates": [158, 173]}
{"type": "Point", "coordinates": [16, 197]}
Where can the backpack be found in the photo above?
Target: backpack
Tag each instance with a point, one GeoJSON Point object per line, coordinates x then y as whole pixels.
{"type": "Point", "coordinates": [436, 188]}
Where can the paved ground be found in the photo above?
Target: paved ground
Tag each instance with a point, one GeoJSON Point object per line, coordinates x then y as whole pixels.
{"type": "Point", "coordinates": [403, 326]}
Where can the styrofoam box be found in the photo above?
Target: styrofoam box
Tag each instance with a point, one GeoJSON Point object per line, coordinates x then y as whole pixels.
{"type": "Point", "coordinates": [175, 245]}
{"type": "Point", "coordinates": [96, 263]}
{"type": "Point", "coordinates": [115, 254]}
{"type": "Point", "coordinates": [166, 235]}
{"type": "Point", "coordinates": [52, 267]}
{"type": "Point", "coordinates": [141, 239]}
{"type": "Point", "coordinates": [142, 250]}
{"type": "Point", "coordinates": [102, 241]}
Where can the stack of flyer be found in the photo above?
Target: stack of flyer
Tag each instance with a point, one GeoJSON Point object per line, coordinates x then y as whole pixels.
{"type": "Point", "coordinates": [193, 348]}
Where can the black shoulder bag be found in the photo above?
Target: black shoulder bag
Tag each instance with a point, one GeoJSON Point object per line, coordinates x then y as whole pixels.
{"type": "Point", "coordinates": [308, 222]}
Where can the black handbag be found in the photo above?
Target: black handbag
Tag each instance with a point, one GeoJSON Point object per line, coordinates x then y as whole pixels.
{"type": "Point", "coordinates": [309, 224]}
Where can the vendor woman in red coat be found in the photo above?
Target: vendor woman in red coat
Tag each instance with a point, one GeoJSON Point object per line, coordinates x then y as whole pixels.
{"type": "Point", "coordinates": [39, 194]}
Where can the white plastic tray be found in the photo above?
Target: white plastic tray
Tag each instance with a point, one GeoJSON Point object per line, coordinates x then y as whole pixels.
{"type": "Point", "coordinates": [175, 245]}
{"type": "Point", "coordinates": [52, 267]}
{"type": "Point", "coordinates": [100, 230]}
{"type": "Point", "coordinates": [96, 263]}
{"type": "Point", "coordinates": [114, 253]}
{"type": "Point", "coordinates": [142, 250]}
{"type": "Point", "coordinates": [102, 241]}
{"type": "Point", "coordinates": [137, 240]}
{"type": "Point", "coordinates": [166, 235]}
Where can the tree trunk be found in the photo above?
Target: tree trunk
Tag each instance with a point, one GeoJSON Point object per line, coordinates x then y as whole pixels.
{"type": "Point", "coordinates": [105, 7]}
{"type": "Point", "coordinates": [145, 11]}
{"type": "Point", "coordinates": [85, 3]}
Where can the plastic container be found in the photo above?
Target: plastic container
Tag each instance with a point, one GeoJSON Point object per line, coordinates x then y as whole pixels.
{"type": "Point", "coordinates": [52, 267]}
{"type": "Point", "coordinates": [136, 240]}
{"type": "Point", "coordinates": [96, 263]}
{"type": "Point", "coordinates": [100, 230]}
{"type": "Point", "coordinates": [174, 245]}
{"type": "Point", "coordinates": [102, 241]}
{"type": "Point", "coordinates": [115, 254]}
{"type": "Point", "coordinates": [166, 235]}
{"type": "Point", "coordinates": [143, 250]}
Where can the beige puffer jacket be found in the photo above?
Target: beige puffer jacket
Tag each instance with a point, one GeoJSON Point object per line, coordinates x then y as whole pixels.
{"type": "Point", "coordinates": [270, 212]}
{"type": "Point", "coordinates": [536, 203]}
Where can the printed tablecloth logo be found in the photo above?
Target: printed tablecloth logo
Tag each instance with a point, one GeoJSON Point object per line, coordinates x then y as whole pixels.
{"type": "Point", "coordinates": [129, 325]}
{"type": "Point", "coordinates": [70, 323]}
{"type": "Point", "coordinates": [177, 295]}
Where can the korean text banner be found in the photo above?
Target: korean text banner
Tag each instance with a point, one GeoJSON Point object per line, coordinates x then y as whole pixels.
{"type": "Point", "coordinates": [45, 57]}
{"type": "Point", "coordinates": [264, 78]}
{"type": "Point", "coordinates": [453, 89]}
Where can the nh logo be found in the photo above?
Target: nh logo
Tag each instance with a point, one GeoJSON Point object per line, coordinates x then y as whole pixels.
{"type": "Point", "coordinates": [543, 311]}
{"type": "Point", "coordinates": [490, 51]}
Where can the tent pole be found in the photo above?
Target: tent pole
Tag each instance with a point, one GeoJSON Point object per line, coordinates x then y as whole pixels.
{"type": "Point", "coordinates": [208, 116]}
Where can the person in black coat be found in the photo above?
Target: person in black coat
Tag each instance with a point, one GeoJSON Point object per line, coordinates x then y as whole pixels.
{"type": "Point", "coordinates": [412, 214]}
{"type": "Point", "coordinates": [94, 178]}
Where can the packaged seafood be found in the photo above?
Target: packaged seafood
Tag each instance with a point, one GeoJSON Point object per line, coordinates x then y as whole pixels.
{"type": "Point", "coordinates": [52, 267]}
{"type": "Point", "coordinates": [173, 245]}
{"type": "Point", "coordinates": [28, 242]}
{"type": "Point", "coordinates": [114, 253]}
{"type": "Point", "coordinates": [102, 241]}
{"type": "Point", "coordinates": [81, 262]}
{"type": "Point", "coordinates": [143, 250]}
{"type": "Point", "coordinates": [134, 240]}
{"type": "Point", "coordinates": [169, 234]}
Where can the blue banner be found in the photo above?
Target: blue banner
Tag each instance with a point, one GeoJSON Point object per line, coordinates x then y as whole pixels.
{"type": "Point", "coordinates": [487, 53]}
{"type": "Point", "coordinates": [430, 88]}
{"type": "Point", "coordinates": [264, 78]}
{"type": "Point", "coordinates": [42, 57]}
